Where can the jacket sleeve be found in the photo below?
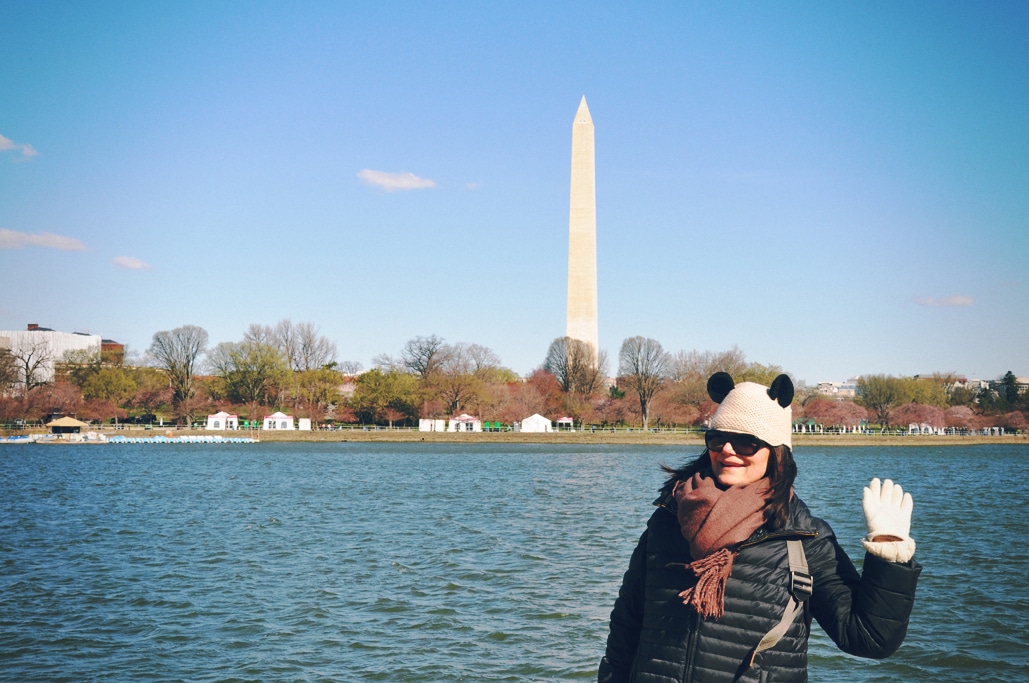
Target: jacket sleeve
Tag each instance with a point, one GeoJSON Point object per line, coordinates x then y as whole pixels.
{"type": "Point", "coordinates": [626, 620]}
{"type": "Point", "coordinates": [865, 614]}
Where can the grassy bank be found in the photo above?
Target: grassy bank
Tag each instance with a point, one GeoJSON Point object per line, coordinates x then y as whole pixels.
{"type": "Point", "coordinates": [628, 438]}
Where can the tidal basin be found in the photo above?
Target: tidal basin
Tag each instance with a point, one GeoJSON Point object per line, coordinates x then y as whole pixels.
{"type": "Point", "coordinates": [438, 562]}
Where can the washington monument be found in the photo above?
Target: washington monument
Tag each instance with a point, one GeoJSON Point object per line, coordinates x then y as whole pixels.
{"type": "Point", "coordinates": [581, 320]}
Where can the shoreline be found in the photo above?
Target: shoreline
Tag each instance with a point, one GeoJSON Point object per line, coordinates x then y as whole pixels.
{"type": "Point", "coordinates": [633, 438]}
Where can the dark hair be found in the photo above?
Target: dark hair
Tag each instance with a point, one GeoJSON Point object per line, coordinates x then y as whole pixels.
{"type": "Point", "coordinates": [781, 472]}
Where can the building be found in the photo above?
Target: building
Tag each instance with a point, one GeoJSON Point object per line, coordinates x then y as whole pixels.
{"type": "Point", "coordinates": [279, 420]}
{"type": "Point", "coordinates": [222, 420]}
{"type": "Point", "coordinates": [464, 423]}
{"type": "Point", "coordinates": [39, 350]}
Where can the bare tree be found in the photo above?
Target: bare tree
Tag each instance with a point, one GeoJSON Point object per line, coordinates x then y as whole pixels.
{"type": "Point", "coordinates": [458, 379]}
{"type": "Point", "coordinates": [386, 362]}
{"type": "Point", "coordinates": [642, 369]}
{"type": "Point", "coordinates": [177, 353]}
{"type": "Point", "coordinates": [313, 351]}
{"type": "Point", "coordinates": [260, 334]}
{"type": "Point", "coordinates": [481, 358]}
{"type": "Point", "coordinates": [34, 362]}
{"type": "Point", "coordinates": [424, 356]}
{"type": "Point", "coordinates": [691, 369]}
{"type": "Point", "coordinates": [573, 362]}
{"type": "Point", "coordinates": [350, 367]}
{"type": "Point", "coordinates": [299, 343]}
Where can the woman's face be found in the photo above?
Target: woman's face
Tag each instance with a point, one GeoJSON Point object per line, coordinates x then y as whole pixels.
{"type": "Point", "coordinates": [734, 469]}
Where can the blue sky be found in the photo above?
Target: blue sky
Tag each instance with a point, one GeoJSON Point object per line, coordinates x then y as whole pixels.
{"type": "Point", "coordinates": [835, 188]}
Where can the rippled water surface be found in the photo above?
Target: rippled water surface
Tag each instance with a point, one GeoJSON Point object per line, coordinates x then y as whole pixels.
{"type": "Point", "coordinates": [369, 562]}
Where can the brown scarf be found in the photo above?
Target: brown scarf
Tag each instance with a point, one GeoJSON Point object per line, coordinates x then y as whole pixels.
{"type": "Point", "coordinates": [714, 521]}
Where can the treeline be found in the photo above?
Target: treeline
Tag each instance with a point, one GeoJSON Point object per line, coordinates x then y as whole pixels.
{"type": "Point", "coordinates": [291, 367]}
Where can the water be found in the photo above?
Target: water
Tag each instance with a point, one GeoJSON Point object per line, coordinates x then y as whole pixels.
{"type": "Point", "coordinates": [376, 562]}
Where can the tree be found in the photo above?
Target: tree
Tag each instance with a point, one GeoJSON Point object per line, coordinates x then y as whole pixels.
{"type": "Point", "coordinates": [690, 370]}
{"type": "Point", "coordinates": [251, 371]}
{"type": "Point", "coordinates": [960, 417]}
{"type": "Point", "coordinates": [152, 390]}
{"type": "Point", "coordinates": [455, 388]}
{"type": "Point", "coordinates": [33, 360]}
{"type": "Point", "coordinates": [177, 352]}
{"type": "Point", "coordinates": [350, 368]}
{"type": "Point", "coordinates": [830, 413]}
{"type": "Point", "coordinates": [925, 391]}
{"type": "Point", "coordinates": [382, 395]}
{"type": "Point", "coordinates": [114, 385]}
{"type": "Point", "coordinates": [481, 358]}
{"type": "Point", "coordinates": [314, 393]}
{"type": "Point", "coordinates": [299, 343]}
{"type": "Point", "coordinates": [424, 356]}
{"type": "Point", "coordinates": [55, 398]}
{"type": "Point", "coordinates": [461, 376]}
{"type": "Point", "coordinates": [575, 366]}
{"type": "Point", "coordinates": [539, 393]}
{"type": "Point", "coordinates": [101, 409]}
{"type": "Point", "coordinates": [881, 394]}
{"type": "Point", "coordinates": [920, 414]}
{"type": "Point", "coordinates": [81, 364]}
{"type": "Point", "coordinates": [313, 351]}
{"type": "Point", "coordinates": [642, 369]}
{"type": "Point", "coordinates": [760, 374]}
{"type": "Point", "coordinates": [1009, 387]}
{"type": "Point", "coordinates": [1013, 421]}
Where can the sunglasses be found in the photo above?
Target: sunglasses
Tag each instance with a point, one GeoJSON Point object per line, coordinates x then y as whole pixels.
{"type": "Point", "coordinates": [742, 444]}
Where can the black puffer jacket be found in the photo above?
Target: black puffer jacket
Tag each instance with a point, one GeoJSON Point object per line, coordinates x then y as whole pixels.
{"type": "Point", "coordinates": [654, 638]}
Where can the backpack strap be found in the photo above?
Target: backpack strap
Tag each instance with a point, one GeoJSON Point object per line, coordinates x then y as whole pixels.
{"type": "Point", "coordinates": [801, 586]}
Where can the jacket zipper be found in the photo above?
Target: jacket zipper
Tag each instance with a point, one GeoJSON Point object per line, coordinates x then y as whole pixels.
{"type": "Point", "coordinates": [691, 648]}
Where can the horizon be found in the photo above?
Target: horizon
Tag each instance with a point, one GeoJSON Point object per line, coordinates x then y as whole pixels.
{"type": "Point", "coordinates": [834, 190]}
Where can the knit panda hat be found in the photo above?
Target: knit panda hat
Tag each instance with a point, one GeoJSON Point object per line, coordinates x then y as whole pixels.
{"type": "Point", "coordinates": [749, 408]}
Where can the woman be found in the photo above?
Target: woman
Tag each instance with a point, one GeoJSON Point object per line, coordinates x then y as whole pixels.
{"type": "Point", "coordinates": [711, 593]}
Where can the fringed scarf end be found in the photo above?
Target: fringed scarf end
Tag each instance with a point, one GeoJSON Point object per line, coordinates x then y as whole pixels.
{"type": "Point", "coordinates": [707, 596]}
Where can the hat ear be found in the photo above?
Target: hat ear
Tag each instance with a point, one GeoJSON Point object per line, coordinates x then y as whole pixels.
{"type": "Point", "coordinates": [719, 385]}
{"type": "Point", "coordinates": [781, 390]}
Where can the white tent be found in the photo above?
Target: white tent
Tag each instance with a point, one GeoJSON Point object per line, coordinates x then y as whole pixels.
{"type": "Point", "coordinates": [431, 425]}
{"type": "Point", "coordinates": [222, 420]}
{"type": "Point", "coordinates": [537, 423]}
{"type": "Point", "coordinates": [304, 424]}
{"type": "Point", "coordinates": [464, 423]}
{"type": "Point", "coordinates": [278, 420]}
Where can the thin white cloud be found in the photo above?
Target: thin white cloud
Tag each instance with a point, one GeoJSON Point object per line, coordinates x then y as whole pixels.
{"type": "Point", "coordinates": [130, 263]}
{"type": "Point", "coordinates": [956, 300]}
{"type": "Point", "coordinates": [472, 186]}
{"type": "Point", "coordinates": [392, 182]}
{"type": "Point", "coordinates": [26, 150]}
{"type": "Point", "coordinates": [12, 239]}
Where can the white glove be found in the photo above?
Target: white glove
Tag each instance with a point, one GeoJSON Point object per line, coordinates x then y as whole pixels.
{"type": "Point", "coordinates": [888, 513]}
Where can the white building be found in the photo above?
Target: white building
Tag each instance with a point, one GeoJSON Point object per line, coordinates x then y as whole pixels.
{"type": "Point", "coordinates": [222, 420]}
{"type": "Point", "coordinates": [40, 348]}
{"type": "Point", "coordinates": [278, 420]}
{"type": "Point", "coordinates": [464, 423]}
